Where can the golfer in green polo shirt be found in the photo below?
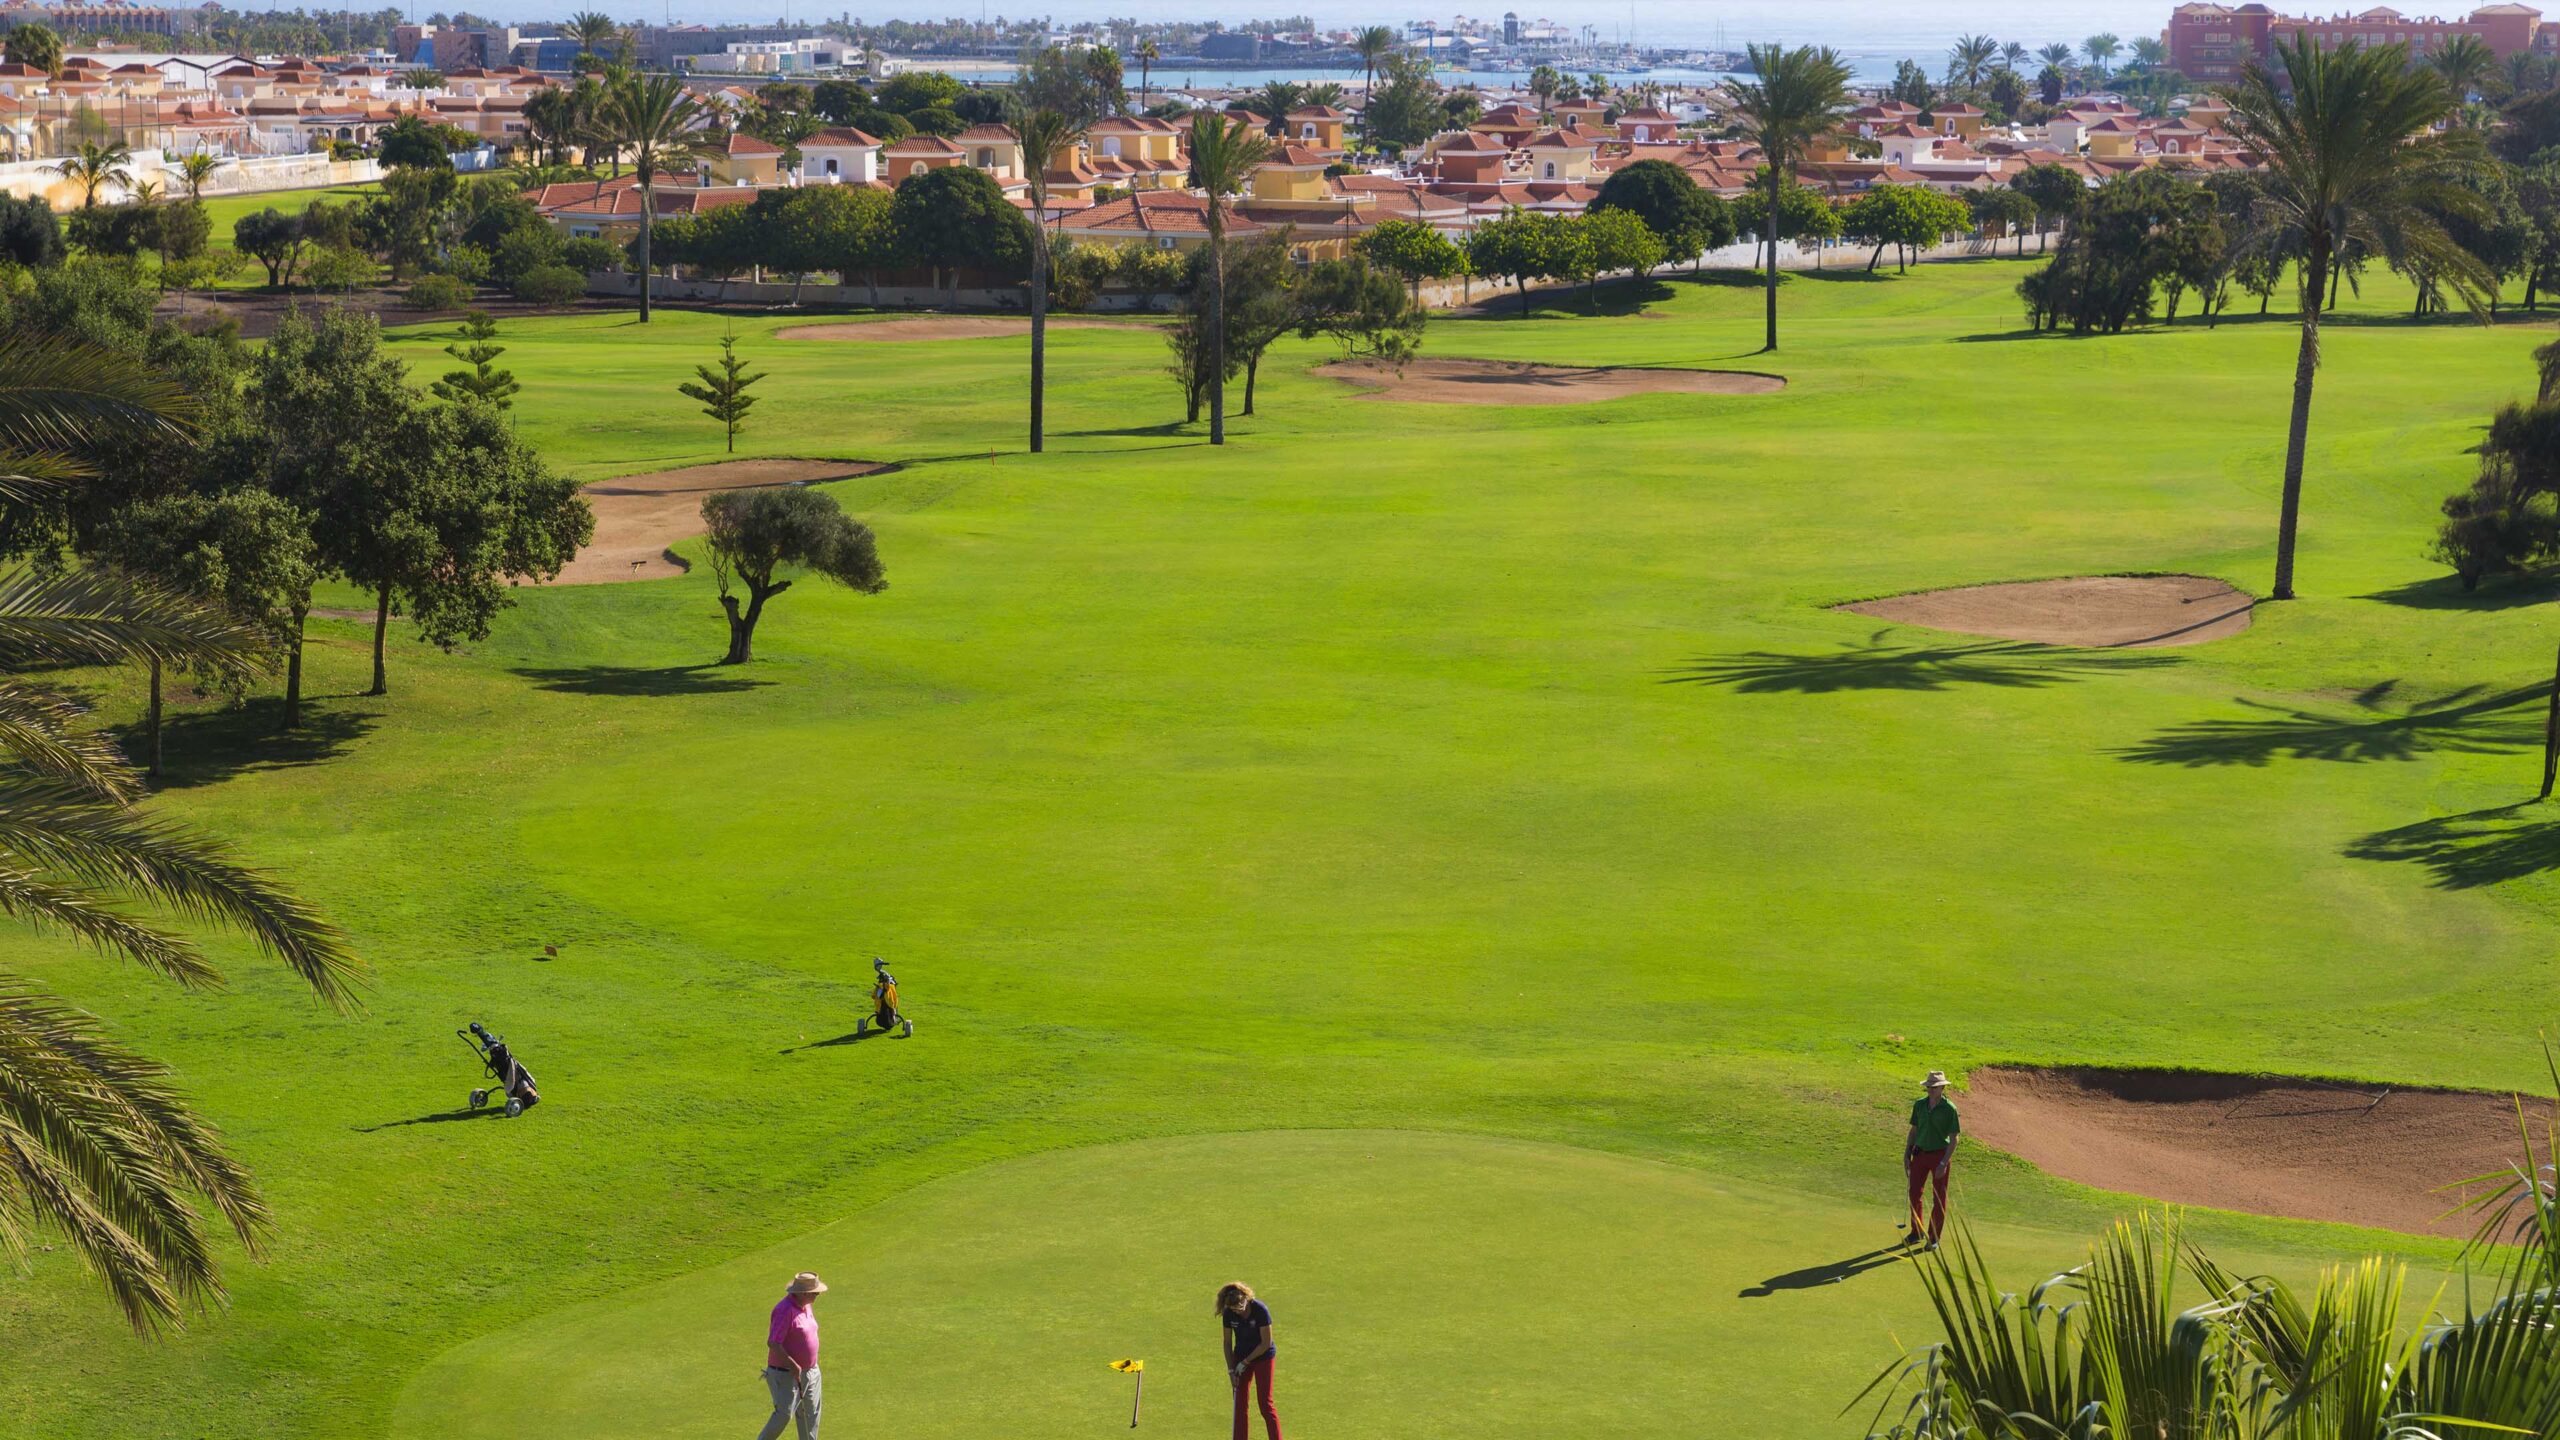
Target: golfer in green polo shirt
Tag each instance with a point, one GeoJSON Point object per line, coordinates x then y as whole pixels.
{"type": "Point", "coordinates": [1927, 1152]}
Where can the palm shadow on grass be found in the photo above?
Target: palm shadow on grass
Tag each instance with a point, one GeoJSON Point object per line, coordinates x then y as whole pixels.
{"type": "Point", "coordinates": [1813, 1276]}
{"type": "Point", "coordinates": [641, 681]}
{"type": "Point", "coordinates": [1877, 665]}
{"type": "Point", "coordinates": [2465, 852]}
{"type": "Point", "coordinates": [208, 747]}
{"type": "Point", "coordinates": [2467, 722]}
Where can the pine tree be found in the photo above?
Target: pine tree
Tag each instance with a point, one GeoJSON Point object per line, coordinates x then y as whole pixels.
{"type": "Point", "coordinates": [483, 380]}
{"type": "Point", "coordinates": [723, 392]}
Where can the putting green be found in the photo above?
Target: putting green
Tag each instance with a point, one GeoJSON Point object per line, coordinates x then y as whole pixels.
{"type": "Point", "coordinates": [1421, 1282]}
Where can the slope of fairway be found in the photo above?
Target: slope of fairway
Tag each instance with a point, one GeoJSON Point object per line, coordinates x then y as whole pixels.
{"type": "Point", "coordinates": [1489, 770]}
{"type": "Point", "coordinates": [1420, 1283]}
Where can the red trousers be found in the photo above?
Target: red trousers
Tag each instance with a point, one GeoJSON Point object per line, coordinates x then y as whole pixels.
{"type": "Point", "coordinates": [1257, 1376]}
{"type": "Point", "coordinates": [1928, 1168]}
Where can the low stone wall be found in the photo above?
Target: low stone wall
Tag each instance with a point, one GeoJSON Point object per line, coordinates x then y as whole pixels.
{"type": "Point", "coordinates": [36, 179]}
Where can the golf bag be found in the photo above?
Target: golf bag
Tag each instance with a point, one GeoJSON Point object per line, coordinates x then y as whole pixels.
{"type": "Point", "coordinates": [885, 1015]}
{"type": "Point", "coordinates": [515, 1083]}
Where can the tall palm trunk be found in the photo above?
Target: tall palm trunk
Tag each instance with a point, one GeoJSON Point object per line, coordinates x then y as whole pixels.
{"type": "Point", "coordinates": [1777, 189]}
{"type": "Point", "coordinates": [1039, 321]}
{"type": "Point", "coordinates": [1217, 323]}
{"type": "Point", "coordinates": [2551, 737]}
{"type": "Point", "coordinates": [2298, 432]}
{"type": "Point", "coordinates": [154, 722]}
{"type": "Point", "coordinates": [648, 231]}
{"type": "Point", "coordinates": [293, 668]}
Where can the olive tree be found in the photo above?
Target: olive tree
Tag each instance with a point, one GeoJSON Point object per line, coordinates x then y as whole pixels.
{"type": "Point", "coordinates": [755, 533]}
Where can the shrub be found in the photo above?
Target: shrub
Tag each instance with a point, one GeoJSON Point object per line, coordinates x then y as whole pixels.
{"type": "Point", "coordinates": [466, 263]}
{"type": "Point", "coordinates": [588, 253]}
{"type": "Point", "coordinates": [528, 247]}
{"type": "Point", "coordinates": [336, 267]}
{"type": "Point", "coordinates": [550, 285]}
{"type": "Point", "coordinates": [438, 292]}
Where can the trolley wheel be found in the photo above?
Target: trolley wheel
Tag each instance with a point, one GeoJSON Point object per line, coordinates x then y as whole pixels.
{"type": "Point", "coordinates": [515, 1107]}
{"type": "Point", "coordinates": [479, 1098]}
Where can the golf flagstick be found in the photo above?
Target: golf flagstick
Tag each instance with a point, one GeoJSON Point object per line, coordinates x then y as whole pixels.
{"type": "Point", "coordinates": [1138, 1397]}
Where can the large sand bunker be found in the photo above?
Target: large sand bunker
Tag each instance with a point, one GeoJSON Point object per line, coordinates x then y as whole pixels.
{"type": "Point", "coordinates": [1513, 382]}
{"type": "Point", "coordinates": [2267, 1145]}
{"type": "Point", "coordinates": [639, 516]}
{"type": "Point", "coordinates": [2124, 611]}
{"type": "Point", "coordinates": [939, 327]}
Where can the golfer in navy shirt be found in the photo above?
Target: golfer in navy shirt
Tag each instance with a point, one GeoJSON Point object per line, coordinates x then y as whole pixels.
{"type": "Point", "coordinates": [1250, 1352]}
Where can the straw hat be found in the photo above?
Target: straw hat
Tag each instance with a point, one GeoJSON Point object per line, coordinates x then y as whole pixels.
{"type": "Point", "coordinates": [1937, 1081]}
{"type": "Point", "coordinates": [807, 1283]}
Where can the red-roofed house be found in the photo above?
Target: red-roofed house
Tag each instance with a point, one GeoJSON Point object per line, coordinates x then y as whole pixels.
{"type": "Point", "coordinates": [916, 154]}
{"type": "Point", "coordinates": [741, 159]}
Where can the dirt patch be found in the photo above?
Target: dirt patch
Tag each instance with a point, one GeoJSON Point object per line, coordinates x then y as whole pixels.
{"type": "Point", "coordinates": [2267, 1145]}
{"type": "Point", "coordinates": [940, 327]}
{"type": "Point", "coordinates": [1513, 382]}
{"type": "Point", "coordinates": [2105, 611]}
{"type": "Point", "coordinates": [639, 516]}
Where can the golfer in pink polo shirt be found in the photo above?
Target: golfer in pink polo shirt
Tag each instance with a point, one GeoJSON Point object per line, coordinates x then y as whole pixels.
{"type": "Point", "coordinates": [791, 1359]}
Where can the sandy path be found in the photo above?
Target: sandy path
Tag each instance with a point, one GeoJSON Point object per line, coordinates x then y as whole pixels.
{"type": "Point", "coordinates": [940, 327]}
{"type": "Point", "coordinates": [639, 516]}
{"type": "Point", "coordinates": [1513, 382]}
{"type": "Point", "coordinates": [2131, 611]}
{"type": "Point", "coordinates": [2266, 1146]}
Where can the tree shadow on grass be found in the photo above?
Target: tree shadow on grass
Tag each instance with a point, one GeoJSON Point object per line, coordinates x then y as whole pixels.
{"type": "Point", "coordinates": [210, 746]}
{"type": "Point", "coordinates": [1876, 665]}
{"type": "Point", "coordinates": [638, 681]}
{"type": "Point", "coordinates": [1833, 1273]}
{"type": "Point", "coordinates": [2445, 592]}
{"type": "Point", "coordinates": [2465, 852]}
{"type": "Point", "coordinates": [2467, 722]}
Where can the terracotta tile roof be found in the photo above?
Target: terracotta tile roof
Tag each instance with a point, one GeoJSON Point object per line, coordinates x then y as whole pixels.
{"type": "Point", "coordinates": [1473, 142]}
{"type": "Point", "coordinates": [1556, 140]}
{"type": "Point", "coordinates": [840, 137]}
{"type": "Point", "coordinates": [1315, 112]}
{"type": "Point", "coordinates": [990, 132]}
{"type": "Point", "coordinates": [1298, 157]}
{"type": "Point", "coordinates": [1160, 212]}
{"type": "Point", "coordinates": [923, 145]}
{"type": "Point", "coordinates": [738, 143]}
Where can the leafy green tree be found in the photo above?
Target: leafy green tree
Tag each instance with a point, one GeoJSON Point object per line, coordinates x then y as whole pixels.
{"type": "Point", "coordinates": [722, 393]}
{"type": "Point", "coordinates": [273, 239]}
{"type": "Point", "coordinates": [2349, 151]}
{"type": "Point", "coordinates": [1907, 217]}
{"type": "Point", "coordinates": [1803, 212]}
{"type": "Point", "coordinates": [754, 534]}
{"type": "Point", "coordinates": [1361, 307]}
{"type": "Point", "coordinates": [1911, 85]}
{"type": "Point", "coordinates": [406, 221]}
{"type": "Point", "coordinates": [2058, 192]}
{"type": "Point", "coordinates": [1223, 153]}
{"type": "Point", "coordinates": [956, 218]}
{"type": "Point", "coordinates": [243, 552]}
{"type": "Point", "coordinates": [1687, 219]}
{"type": "Point", "coordinates": [1795, 102]}
{"type": "Point", "coordinates": [1615, 240]}
{"type": "Point", "coordinates": [433, 506]}
{"type": "Point", "coordinates": [2005, 207]}
{"type": "Point", "coordinates": [654, 121]}
{"type": "Point", "coordinates": [1520, 246]}
{"type": "Point", "coordinates": [180, 230]}
{"type": "Point", "coordinates": [101, 1147]}
{"type": "Point", "coordinates": [1412, 251]}
{"type": "Point", "coordinates": [480, 379]}
{"type": "Point", "coordinates": [911, 90]}
{"type": "Point", "coordinates": [30, 236]}
{"type": "Point", "coordinates": [1258, 306]}
{"type": "Point", "coordinates": [411, 142]}
{"type": "Point", "coordinates": [34, 44]}
{"type": "Point", "coordinates": [1408, 109]}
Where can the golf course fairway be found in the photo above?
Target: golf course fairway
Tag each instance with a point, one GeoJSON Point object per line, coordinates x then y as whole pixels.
{"type": "Point", "coordinates": [991, 1303]}
{"type": "Point", "coordinates": [1455, 868]}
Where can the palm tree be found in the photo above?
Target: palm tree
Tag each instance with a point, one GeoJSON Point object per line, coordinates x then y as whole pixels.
{"type": "Point", "coordinates": [1223, 153]}
{"type": "Point", "coordinates": [2102, 49]}
{"type": "Point", "coordinates": [1278, 97]}
{"type": "Point", "coordinates": [593, 30]}
{"type": "Point", "coordinates": [94, 1140]}
{"type": "Point", "coordinates": [2466, 62]}
{"type": "Point", "coordinates": [1969, 58]}
{"type": "Point", "coordinates": [1794, 101]}
{"type": "Point", "coordinates": [2149, 53]}
{"type": "Point", "coordinates": [93, 167]}
{"type": "Point", "coordinates": [2059, 56]}
{"type": "Point", "coordinates": [1545, 83]}
{"type": "Point", "coordinates": [1148, 55]}
{"type": "Point", "coordinates": [654, 120]}
{"type": "Point", "coordinates": [1102, 66]}
{"type": "Point", "coordinates": [2352, 159]}
{"type": "Point", "coordinates": [2012, 55]}
{"type": "Point", "coordinates": [551, 118]}
{"type": "Point", "coordinates": [1373, 45]}
{"type": "Point", "coordinates": [195, 169]}
{"type": "Point", "coordinates": [1045, 136]}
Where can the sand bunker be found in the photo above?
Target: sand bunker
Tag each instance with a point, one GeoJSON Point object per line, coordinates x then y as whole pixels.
{"type": "Point", "coordinates": [2129, 611]}
{"type": "Point", "coordinates": [939, 327]}
{"type": "Point", "coordinates": [1511, 382]}
{"type": "Point", "coordinates": [2365, 1155]}
{"type": "Point", "coordinates": [639, 516]}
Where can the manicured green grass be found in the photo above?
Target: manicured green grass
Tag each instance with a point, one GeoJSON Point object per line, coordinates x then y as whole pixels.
{"type": "Point", "coordinates": [1388, 771]}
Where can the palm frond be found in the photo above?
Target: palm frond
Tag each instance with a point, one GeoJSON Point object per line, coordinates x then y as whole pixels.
{"type": "Point", "coordinates": [92, 617]}
{"type": "Point", "coordinates": [56, 391]}
{"type": "Point", "coordinates": [40, 731]}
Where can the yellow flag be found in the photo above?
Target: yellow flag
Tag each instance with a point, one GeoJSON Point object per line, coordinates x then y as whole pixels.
{"type": "Point", "coordinates": [1125, 1366]}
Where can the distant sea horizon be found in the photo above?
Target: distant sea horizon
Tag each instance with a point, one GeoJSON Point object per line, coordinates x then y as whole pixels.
{"type": "Point", "coordinates": [1873, 37]}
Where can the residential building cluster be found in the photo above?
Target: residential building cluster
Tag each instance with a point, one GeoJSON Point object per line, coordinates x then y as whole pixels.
{"type": "Point", "coordinates": [2214, 43]}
